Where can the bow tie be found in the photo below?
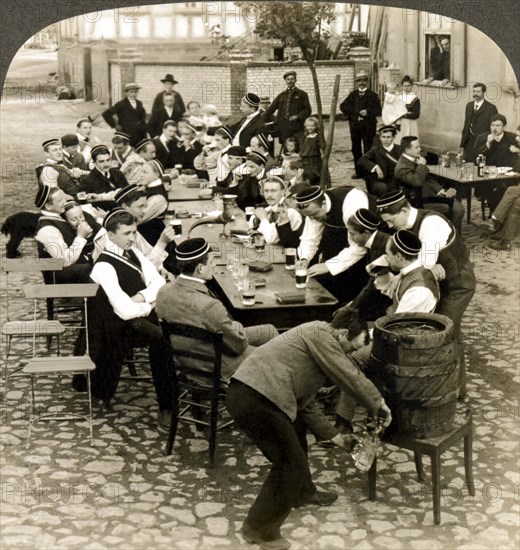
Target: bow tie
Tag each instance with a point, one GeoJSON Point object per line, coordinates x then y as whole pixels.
{"type": "Point", "coordinates": [86, 140]}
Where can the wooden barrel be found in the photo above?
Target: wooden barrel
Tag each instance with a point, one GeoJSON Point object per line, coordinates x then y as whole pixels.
{"type": "Point", "coordinates": [414, 364]}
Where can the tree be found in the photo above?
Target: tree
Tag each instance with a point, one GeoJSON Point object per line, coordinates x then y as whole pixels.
{"type": "Point", "coordinates": [295, 24]}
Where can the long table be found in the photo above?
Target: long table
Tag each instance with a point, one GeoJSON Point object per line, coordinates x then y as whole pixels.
{"type": "Point", "coordinates": [452, 176]}
{"type": "Point", "coordinates": [319, 303]}
{"type": "Point", "coordinates": [179, 192]}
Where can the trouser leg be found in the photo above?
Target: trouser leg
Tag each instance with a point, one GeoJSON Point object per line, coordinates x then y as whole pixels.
{"type": "Point", "coordinates": [280, 441]}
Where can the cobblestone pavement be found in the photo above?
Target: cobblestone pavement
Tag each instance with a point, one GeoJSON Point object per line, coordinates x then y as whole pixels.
{"type": "Point", "coordinates": [125, 493]}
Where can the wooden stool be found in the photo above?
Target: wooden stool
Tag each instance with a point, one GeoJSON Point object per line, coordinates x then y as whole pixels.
{"type": "Point", "coordinates": [434, 447]}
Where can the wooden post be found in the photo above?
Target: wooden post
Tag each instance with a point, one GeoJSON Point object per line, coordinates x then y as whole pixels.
{"type": "Point", "coordinates": [325, 176]}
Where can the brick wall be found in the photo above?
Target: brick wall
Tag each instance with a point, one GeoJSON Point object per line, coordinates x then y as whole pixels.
{"type": "Point", "coordinates": [224, 84]}
{"type": "Point", "coordinates": [202, 82]}
{"type": "Point", "coordinates": [267, 79]}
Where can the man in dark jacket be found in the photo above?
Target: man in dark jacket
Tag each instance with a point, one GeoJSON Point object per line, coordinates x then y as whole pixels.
{"type": "Point", "coordinates": [162, 115]}
{"type": "Point", "coordinates": [378, 165]}
{"type": "Point", "coordinates": [178, 104]}
{"type": "Point", "coordinates": [292, 107]}
{"type": "Point", "coordinates": [476, 121]}
{"type": "Point", "coordinates": [252, 122]}
{"type": "Point", "coordinates": [128, 115]}
{"type": "Point", "coordinates": [361, 108]}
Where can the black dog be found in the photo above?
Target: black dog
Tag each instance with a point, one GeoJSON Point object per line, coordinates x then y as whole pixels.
{"type": "Point", "coordinates": [19, 226]}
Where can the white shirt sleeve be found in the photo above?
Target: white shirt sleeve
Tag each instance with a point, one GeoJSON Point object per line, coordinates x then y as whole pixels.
{"type": "Point", "coordinates": [417, 299]}
{"type": "Point", "coordinates": [355, 200]}
{"type": "Point", "coordinates": [310, 239]}
{"type": "Point", "coordinates": [155, 206]}
{"type": "Point", "coordinates": [152, 278]}
{"type": "Point", "coordinates": [434, 234]}
{"type": "Point", "coordinates": [52, 240]}
{"type": "Point", "coordinates": [124, 307]}
{"type": "Point", "coordinates": [155, 254]}
{"type": "Point", "coordinates": [49, 176]}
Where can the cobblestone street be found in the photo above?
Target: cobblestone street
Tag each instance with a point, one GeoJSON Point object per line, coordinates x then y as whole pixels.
{"type": "Point", "coordinates": [123, 492]}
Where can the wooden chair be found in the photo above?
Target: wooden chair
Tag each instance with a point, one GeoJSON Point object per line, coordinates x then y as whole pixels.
{"type": "Point", "coordinates": [434, 447]}
{"type": "Point", "coordinates": [195, 387]}
{"type": "Point", "coordinates": [24, 328]}
{"type": "Point", "coordinates": [61, 365]}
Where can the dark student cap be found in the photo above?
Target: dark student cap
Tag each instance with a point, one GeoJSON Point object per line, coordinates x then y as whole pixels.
{"type": "Point", "coordinates": [122, 135]}
{"type": "Point", "coordinates": [289, 73]}
{"type": "Point", "coordinates": [407, 242]}
{"type": "Point", "coordinates": [298, 188]}
{"type": "Point", "coordinates": [252, 99]}
{"type": "Point", "coordinates": [191, 249]}
{"type": "Point", "coordinates": [69, 140]}
{"type": "Point", "coordinates": [393, 197]}
{"type": "Point", "coordinates": [256, 157]}
{"type": "Point", "coordinates": [42, 196]}
{"type": "Point", "coordinates": [142, 144]}
{"type": "Point", "coordinates": [388, 128]}
{"type": "Point", "coordinates": [98, 148]}
{"type": "Point", "coordinates": [111, 214]}
{"type": "Point", "coordinates": [308, 195]}
{"type": "Point", "coordinates": [53, 141]}
{"type": "Point", "coordinates": [122, 194]}
{"type": "Point", "coordinates": [236, 151]}
{"type": "Point", "coordinates": [226, 131]}
{"type": "Point", "coordinates": [367, 219]}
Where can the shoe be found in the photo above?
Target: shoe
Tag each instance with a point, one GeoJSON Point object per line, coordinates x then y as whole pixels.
{"type": "Point", "coordinates": [165, 418]}
{"type": "Point", "coordinates": [343, 425]}
{"type": "Point", "coordinates": [275, 544]}
{"type": "Point", "coordinates": [502, 244]}
{"type": "Point", "coordinates": [495, 236]}
{"type": "Point", "coordinates": [325, 443]}
{"type": "Point", "coordinates": [356, 177]}
{"type": "Point", "coordinates": [319, 498]}
{"type": "Point", "coordinates": [497, 226]}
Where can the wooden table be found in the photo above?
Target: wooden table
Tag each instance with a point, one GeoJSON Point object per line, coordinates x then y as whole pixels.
{"type": "Point", "coordinates": [212, 233]}
{"type": "Point", "coordinates": [451, 176]}
{"type": "Point", "coordinates": [179, 192]}
{"type": "Point", "coordinates": [319, 303]}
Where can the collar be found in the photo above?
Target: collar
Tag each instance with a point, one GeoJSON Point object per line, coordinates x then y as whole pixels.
{"type": "Point", "coordinates": [163, 140]}
{"type": "Point", "coordinates": [50, 161]}
{"type": "Point", "coordinates": [478, 104]}
{"type": "Point", "coordinates": [412, 217]}
{"type": "Point", "coordinates": [104, 174]}
{"type": "Point", "coordinates": [414, 265]}
{"type": "Point", "coordinates": [411, 159]}
{"type": "Point", "coordinates": [196, 279]}
{"type": "Point", "coordinates": [66, 154]}
{"type": "Point", "coordinates": [250, 117]}
{"type": "Point", "coordinates": [49, 214]}
{"type": "Point", "coordinates": [111, 246]}
{"type": "Point", "coordinates": [389, 149]}
{"type": "Point", "coordinates": [499, 139]}
{"type": "Point", "coordinates": [370, 241]}
{"type": "Point", "coordinates": [81, 137]}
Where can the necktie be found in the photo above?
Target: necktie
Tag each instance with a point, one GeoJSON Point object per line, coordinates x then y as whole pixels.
{"type": "Point", "coordinates": [272, 216]}
{"type": "Point", "coordinates": [289, 95]}
{"type": "Point", "coordinates": [86, 140]}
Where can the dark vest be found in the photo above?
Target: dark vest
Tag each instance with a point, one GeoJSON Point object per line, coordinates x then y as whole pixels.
{"type": "Point", "coordinates": [66, 182]}
{"type": "Point", "coordinates": [378, 247]}
{"type": "Point", "coordinates": [454, 255]}
{"type": "Point", "coordinates": [130, 277]}
{"type": "Point", "coordinates": [418, 277]}
{"type": "Point", "coordinates": [335, 235]}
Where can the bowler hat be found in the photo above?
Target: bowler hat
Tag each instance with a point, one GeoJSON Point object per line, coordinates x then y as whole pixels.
{"type": "Point", "coordinates": [169, 78]}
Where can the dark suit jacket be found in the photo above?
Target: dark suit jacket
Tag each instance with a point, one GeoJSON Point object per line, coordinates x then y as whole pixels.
{"type": "Point", "coordinates": [299, 106]}
{"type": "Point", "coordinates": [95, 182]}
{"type": "Point", "coordinates": [354, 103]}
{"type": "Point", "coordinates": [130, 120]}
{"type": "Point", "coordinates": [76, 160]}
{"type": "Point", "coordinates": [157, 119]}
{"type": "Point", "coordinates": [255, 126]}
{"type": "Point", "coordinates": [167, 157]}
{"type": "Point", "coordinates": [481, 123]}
{"type": "Point", "coordinates": [178, 105]}
{"type": "Point", "coordinates": [411, 178]}
{"type": "Point", "coordinates": [378, 155]}
{"type": "Point", "coordinates": [247, 192]}
{"type": "Point", "coordinates": [498, 154]}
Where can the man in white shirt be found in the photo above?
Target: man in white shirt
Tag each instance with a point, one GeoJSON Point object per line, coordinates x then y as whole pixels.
{"type": "Point", "coordinates": [121, 151]}
{"type": "Point", "coordinates": [85, 137]}
{"type": "Point", "coordinates": [413, 290]}
{"type": "Point", "coordinates": [57, 239]}
{"type": "Point", "coordinates": [54, 173]}
{"type": "Point", "coordinates": [125, 315]}
{"type": "Point", "coordinates": [324, 243]}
